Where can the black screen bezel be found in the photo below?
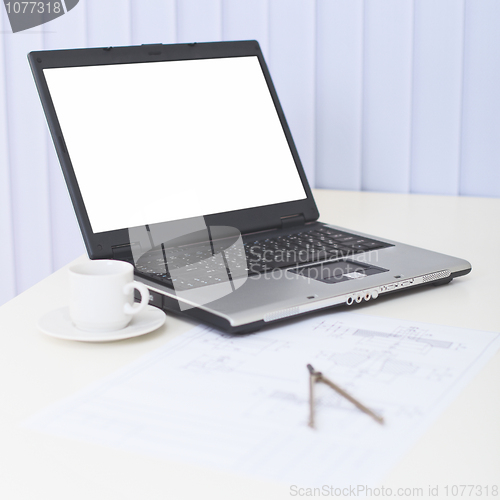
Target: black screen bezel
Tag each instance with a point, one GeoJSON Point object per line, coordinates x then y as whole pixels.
{"type": "Point", "coordinates": [100, 245]}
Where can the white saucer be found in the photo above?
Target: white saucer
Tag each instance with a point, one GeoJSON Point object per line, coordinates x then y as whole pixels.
{"type": "Point", "coordinates": [58, 324]}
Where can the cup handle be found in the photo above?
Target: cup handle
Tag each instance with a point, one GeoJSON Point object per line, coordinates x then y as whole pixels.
{"type": "Point", "coordinates": [143, 290]}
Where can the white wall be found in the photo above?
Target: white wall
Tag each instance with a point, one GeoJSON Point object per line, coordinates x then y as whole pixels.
{"type": "Point", "coordinates": [386, 95]}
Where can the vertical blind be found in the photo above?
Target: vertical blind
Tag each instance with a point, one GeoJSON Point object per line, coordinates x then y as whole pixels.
{"type": "Point", "coordinates": [385, 95]}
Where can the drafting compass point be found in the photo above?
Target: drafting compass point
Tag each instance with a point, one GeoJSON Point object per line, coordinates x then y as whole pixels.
{"type": "Point", "coordinates": [315, 376]}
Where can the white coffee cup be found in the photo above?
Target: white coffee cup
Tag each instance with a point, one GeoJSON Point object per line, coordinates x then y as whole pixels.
{"type": "Point", "coordinates": [101, 295]}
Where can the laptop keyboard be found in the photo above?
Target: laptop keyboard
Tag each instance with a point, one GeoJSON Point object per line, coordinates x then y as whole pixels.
{"type": "Point", "coordinates": [321, 243]}
{"type": "Point", "coordinates": [204, 264]}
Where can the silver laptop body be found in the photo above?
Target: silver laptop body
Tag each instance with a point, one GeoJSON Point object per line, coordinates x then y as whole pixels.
{"type": "Point", "coordinates": [178, 158]}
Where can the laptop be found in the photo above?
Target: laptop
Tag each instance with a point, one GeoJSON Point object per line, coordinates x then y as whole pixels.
{"type": "Point", "coordinates": [178, 158]}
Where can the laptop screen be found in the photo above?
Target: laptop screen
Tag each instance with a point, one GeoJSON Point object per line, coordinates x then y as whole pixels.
{"type": "Point", "coordinates": [161, 141]}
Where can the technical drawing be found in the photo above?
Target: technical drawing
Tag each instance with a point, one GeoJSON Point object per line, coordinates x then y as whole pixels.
{"type": "Point", "coordinates": [241, 403]}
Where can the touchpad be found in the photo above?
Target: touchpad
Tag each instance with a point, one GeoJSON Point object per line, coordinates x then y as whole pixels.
{"type": "Point", "coordinates": [336, 272]}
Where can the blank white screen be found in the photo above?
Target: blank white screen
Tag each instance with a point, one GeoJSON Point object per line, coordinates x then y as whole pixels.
{"type": "Point", "coordinates": [162, 141]}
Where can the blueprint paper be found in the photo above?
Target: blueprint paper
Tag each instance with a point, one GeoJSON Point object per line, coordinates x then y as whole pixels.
{"type": "Point", "coordinates": [240, 403]}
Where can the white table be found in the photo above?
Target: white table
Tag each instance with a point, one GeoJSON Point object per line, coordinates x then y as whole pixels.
{"type": "Point", "coordinates": [462, 447]}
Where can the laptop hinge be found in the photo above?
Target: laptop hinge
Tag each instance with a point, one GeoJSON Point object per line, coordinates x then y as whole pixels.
{"type": "Point", "coordinates": [122, 252]}
{"type": "Point", "coordinates": [292, 220]}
